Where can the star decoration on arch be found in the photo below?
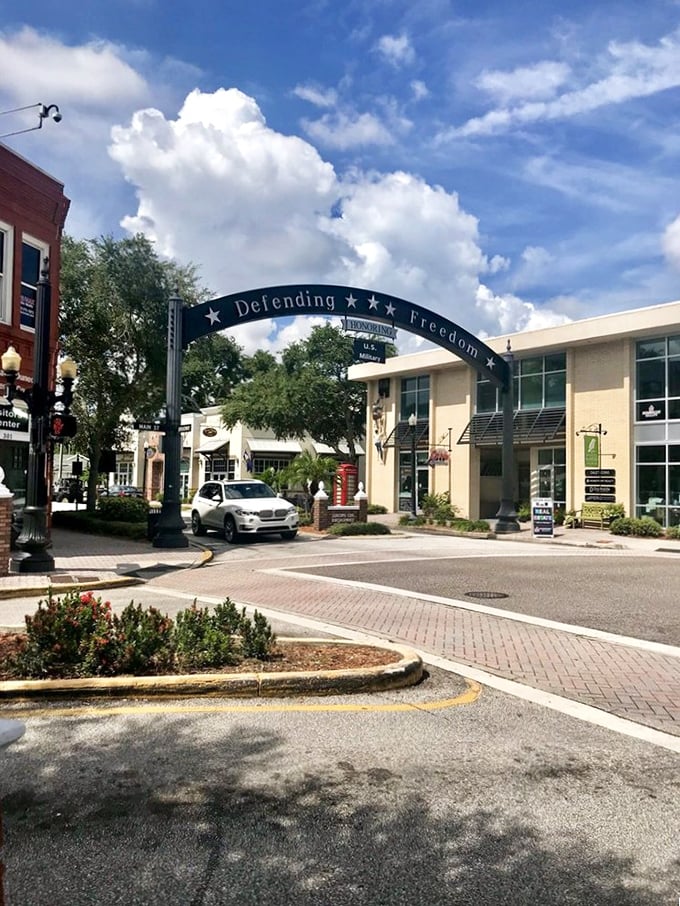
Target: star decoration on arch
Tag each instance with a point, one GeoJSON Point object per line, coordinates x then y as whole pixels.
{"type": "Point", "coordinates": [490, 364]}
{"type": "Point", "coordinates": [213, 316]}
{"type": "Point", "coordinates": [372, 303]}
{"type": "Point", "coordinates": [389, 309]}
{"type": "Point", "coordinates": [351, 301]}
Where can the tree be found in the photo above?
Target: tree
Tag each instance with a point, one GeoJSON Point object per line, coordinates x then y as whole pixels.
{"type": "Point", "coordinates": [307, 393]}
{"type": "Point", "coordinates": [308, 470]}
{"type": "Point", "coordinates": [113, 322]}
{"type": "Point", "coordinates": [213, 365]}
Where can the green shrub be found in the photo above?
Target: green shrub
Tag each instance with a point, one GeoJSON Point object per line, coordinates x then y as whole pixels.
{"type": "Point", "coordinates": [144, 640]}
{"type": "Point", "coordinates": [200, 641]}
{"type": "Point", "coordinates": [407, 519]}
{"type": "Point", "coordinates": [94, 524]}
{"type": "Point", "coordinates": [77, 635]}
{"type": "Point", "coordinates": [480, 525]}
{"type": "Point", "coordinates": [523, 511]}
{"type": "Point", "coordinates": [438, 507]}
{"type": "Point", "coordinates": [257, 638]}
{"type": "Point", "coordinates": [629, 525]}
{"type": "Point", "coordinates": [376, 509]}
{"type": "Point", "coordinates": [359, 528]}
{"type": "Point", "coordinates": [123, 509]}
{"type": "Point", "coordinates": [673, 532]}
{"type": "Point", "coordinates": [69, 636]}
{"type": "Point", "coordinates": [611, 511]}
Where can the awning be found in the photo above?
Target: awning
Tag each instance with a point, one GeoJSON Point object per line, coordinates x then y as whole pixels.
{"type": "Point", "coordinates": [534, 425]}
{"type": "Point", "coordinates": [212, 446]}
{"type": "Point", "coordinates": [258, 445]}
{"type": "Point", "coordinates": [402, 435]}
{"type": "Point", "coordinates": [325, 450]}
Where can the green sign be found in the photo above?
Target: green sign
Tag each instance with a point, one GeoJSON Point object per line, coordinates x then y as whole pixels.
{"type": "Point", "coordinates": [591, 450]}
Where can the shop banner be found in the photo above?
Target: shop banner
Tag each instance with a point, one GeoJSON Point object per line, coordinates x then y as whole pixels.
{"type": "Point", "coordinates": [591, 450]}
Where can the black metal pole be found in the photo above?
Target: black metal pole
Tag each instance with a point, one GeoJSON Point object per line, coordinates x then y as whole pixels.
{"type": "Point", "coordinates": [506, 516]}
{"type": "Point", "coordinates": [170, 529]}
{"type": "Point", "coordinates": [33, 555]}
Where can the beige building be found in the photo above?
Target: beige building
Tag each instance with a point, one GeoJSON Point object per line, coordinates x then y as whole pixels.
{"type": "Point", "coordinates": [597, 418]}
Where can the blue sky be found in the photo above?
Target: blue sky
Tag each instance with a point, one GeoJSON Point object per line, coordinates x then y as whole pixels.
{"type": "Point", "coordinates": [509, 165]}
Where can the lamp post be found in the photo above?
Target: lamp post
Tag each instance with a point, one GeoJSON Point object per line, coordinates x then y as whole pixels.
{"type": "Point", "coordinates": [144, 467]}
{"type": "Point", "coordinates": [413, 421]}
{"type": "Point", "coordinates": [50, 417]}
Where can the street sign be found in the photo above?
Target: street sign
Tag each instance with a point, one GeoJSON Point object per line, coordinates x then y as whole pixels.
{"type": "Point", "coordinates": [184, 429]}
{"type": "Point", "coordinates": [355, 325]}
{"type": "Point", "coordinates": [368, 351]}
{"type": "Point", "coordinates": [149, 426]}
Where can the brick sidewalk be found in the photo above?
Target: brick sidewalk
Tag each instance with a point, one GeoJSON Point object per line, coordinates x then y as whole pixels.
{"type": "Point", "coordinates": [632, 683]}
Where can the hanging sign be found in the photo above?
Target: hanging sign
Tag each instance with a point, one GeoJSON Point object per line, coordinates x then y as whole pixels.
{"type": "Point", "coordinates": [438, 457]}
{"type": "Point", "coordinates": [368, 351]}
{"type": "Point", "coordinates": [591, 450]}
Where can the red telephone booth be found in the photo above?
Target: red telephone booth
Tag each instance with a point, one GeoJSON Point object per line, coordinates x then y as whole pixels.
{"type": "Point", "coordinates": [346, 481]}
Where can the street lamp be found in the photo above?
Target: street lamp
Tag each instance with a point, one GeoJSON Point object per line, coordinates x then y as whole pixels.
{"type": "Point", "coordinates": [413, 421]}
{"type": "Point", "coordinates": [51, 418]}
{"type": "Point", "coordinates": [146, 459]}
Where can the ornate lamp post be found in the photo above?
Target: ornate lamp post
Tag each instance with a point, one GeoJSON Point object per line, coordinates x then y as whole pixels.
{"type": "Point", "coordinates": [413, 421]}
{"type": "Point", "coordinates": [50, 417]}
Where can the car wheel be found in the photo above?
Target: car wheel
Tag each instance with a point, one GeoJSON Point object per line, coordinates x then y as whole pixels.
{"type": "Point", "coordinates": [197, 526]}
{"type": "Point", "coordinates": [289, 535]}
{"type": "Point", "coordinates": [231, 535]}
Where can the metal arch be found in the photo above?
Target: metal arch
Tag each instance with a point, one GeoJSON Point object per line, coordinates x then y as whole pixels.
{"type": "Point", "coordinates": [343, 301]}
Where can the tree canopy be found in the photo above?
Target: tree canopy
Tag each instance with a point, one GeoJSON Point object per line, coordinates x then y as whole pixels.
{"type": "Point", "coordinates": [113, 322]}
{"type": "Point", "coordinates": [307, 392]}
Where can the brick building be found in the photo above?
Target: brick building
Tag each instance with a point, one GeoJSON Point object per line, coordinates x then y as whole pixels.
{"type": "Point", "coordinates": [33, 210]}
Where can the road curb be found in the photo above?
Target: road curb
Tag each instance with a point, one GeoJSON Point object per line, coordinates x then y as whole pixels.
{"type": "Point", "coordinates": [405, 670]}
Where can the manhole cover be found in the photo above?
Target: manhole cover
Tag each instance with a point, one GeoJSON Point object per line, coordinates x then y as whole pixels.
{"type": "Point", "coordinates": [486, 595]}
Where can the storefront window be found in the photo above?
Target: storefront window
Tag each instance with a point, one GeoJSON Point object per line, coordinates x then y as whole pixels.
{"type": "Point", "coordinates": [657, 380]}
{"type": "Point", "coordinates": [415, 397]}
{"type": "Point", "coordinates": [657, 478]}
{"type": "Point", "coordinates": [539, 383]}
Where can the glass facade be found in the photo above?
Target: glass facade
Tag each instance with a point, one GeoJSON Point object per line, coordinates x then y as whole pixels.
{"type": "Point", "coordinates": [415, 397]}
{"type": "Point", "coordinates": [657, 400]}
{"type": "Point", "coordinates": [539, 382]}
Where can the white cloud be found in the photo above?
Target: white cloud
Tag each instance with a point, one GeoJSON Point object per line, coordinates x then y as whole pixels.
{"type": "Point", "coordinates": [343, 131]}
{"type": "Point", "coordinates": [218, 187]}
{"type": "Point", "coordinates": [671, 243]}
{"type": "Point", "coordinates": [539, 81]}
{"type": "Point", "coordinates": [512, 314]}
{"type": "Point", "coordinates": [320, 97]}
{"type": "Point", "coordinates": [632, 70]}
{"type": "Point", "coordinates": [90, 74]}
{"type": "Point", "coordinates": [396, 50]}
{"type": "Point", "coordinates": [419, 90]}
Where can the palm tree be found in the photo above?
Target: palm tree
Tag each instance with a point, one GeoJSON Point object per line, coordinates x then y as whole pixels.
{"type": "Point", "coordinates": [308, 470]}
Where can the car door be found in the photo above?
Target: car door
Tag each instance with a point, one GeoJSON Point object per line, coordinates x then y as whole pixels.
{"type": "Point", "coordinates": [214, 498]}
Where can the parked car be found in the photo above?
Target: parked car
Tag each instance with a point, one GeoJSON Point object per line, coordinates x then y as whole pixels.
{"type": "Point", "coordinates": [238, 508]}
{"type": "Point", "coordinates": [70, 489]}
{"type": "Point", "coordinates": [121, 490]}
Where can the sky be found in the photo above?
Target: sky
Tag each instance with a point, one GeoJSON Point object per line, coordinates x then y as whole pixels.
{"type": "Point", "coordinates": [508, 165]}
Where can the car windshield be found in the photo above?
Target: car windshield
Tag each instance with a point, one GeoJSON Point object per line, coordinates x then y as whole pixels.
{"type": "Point", "coordinates": [249, 490]}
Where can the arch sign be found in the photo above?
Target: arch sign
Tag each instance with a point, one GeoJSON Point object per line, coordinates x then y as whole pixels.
{"type": "Point", "coordinates": [343, 301]}
{"type": "Point", "coordinates": [188, 324]}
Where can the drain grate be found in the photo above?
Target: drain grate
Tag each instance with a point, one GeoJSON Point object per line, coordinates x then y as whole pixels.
{"type": "Point", "coordinates": [486, 595]}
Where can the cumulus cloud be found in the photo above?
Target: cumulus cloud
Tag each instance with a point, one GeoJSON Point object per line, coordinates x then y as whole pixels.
{"type": "Point", "coordinates": [419, 90]}
{"type": "Point", "coordinates": [252, 207]}
{"type": "Point", "coordinates": [396, 50]}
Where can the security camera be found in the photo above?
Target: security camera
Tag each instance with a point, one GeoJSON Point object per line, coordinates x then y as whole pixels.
{"type": "Point", "coordinates": [56, 116]}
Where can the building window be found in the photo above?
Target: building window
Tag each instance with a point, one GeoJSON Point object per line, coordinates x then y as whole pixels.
{"type": "Point", "coordinates": [657, 379]}
{"type": "Point", "coordinates": [123, 473]}
{"type": "Point", "coordinates": [552, 474]}
{"type": "Point", "coordinates": [415, 397]}
{"type": "Point", "coordinates": [540, 382]}
{"type": "Point", "coordinates": [657, 480]}
{"type": "Point", "coordinates": [33, 254]}
{"type": "Point", "coordinates": [262, 463]}
{"type": "Point", "coordinates": [5, 274]}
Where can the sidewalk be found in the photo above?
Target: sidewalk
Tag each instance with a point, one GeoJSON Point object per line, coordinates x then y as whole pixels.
{"type": "Point", "coordinates": [96, 561]}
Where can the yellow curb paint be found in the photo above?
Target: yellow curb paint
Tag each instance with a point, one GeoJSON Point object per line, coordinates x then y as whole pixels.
{"type": "Point", "coordinates": [465, 698]}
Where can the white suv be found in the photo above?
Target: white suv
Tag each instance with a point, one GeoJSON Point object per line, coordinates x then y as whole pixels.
{"type": "Point", "coordinates": [242, 508]}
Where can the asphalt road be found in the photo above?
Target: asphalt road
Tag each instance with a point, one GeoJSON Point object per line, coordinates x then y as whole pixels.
{"type": "Point", "coordinates": [496, 801]}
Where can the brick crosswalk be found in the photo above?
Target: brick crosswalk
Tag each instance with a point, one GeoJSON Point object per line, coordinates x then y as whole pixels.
{"type": "Point", "coordinates": [627, 681]}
